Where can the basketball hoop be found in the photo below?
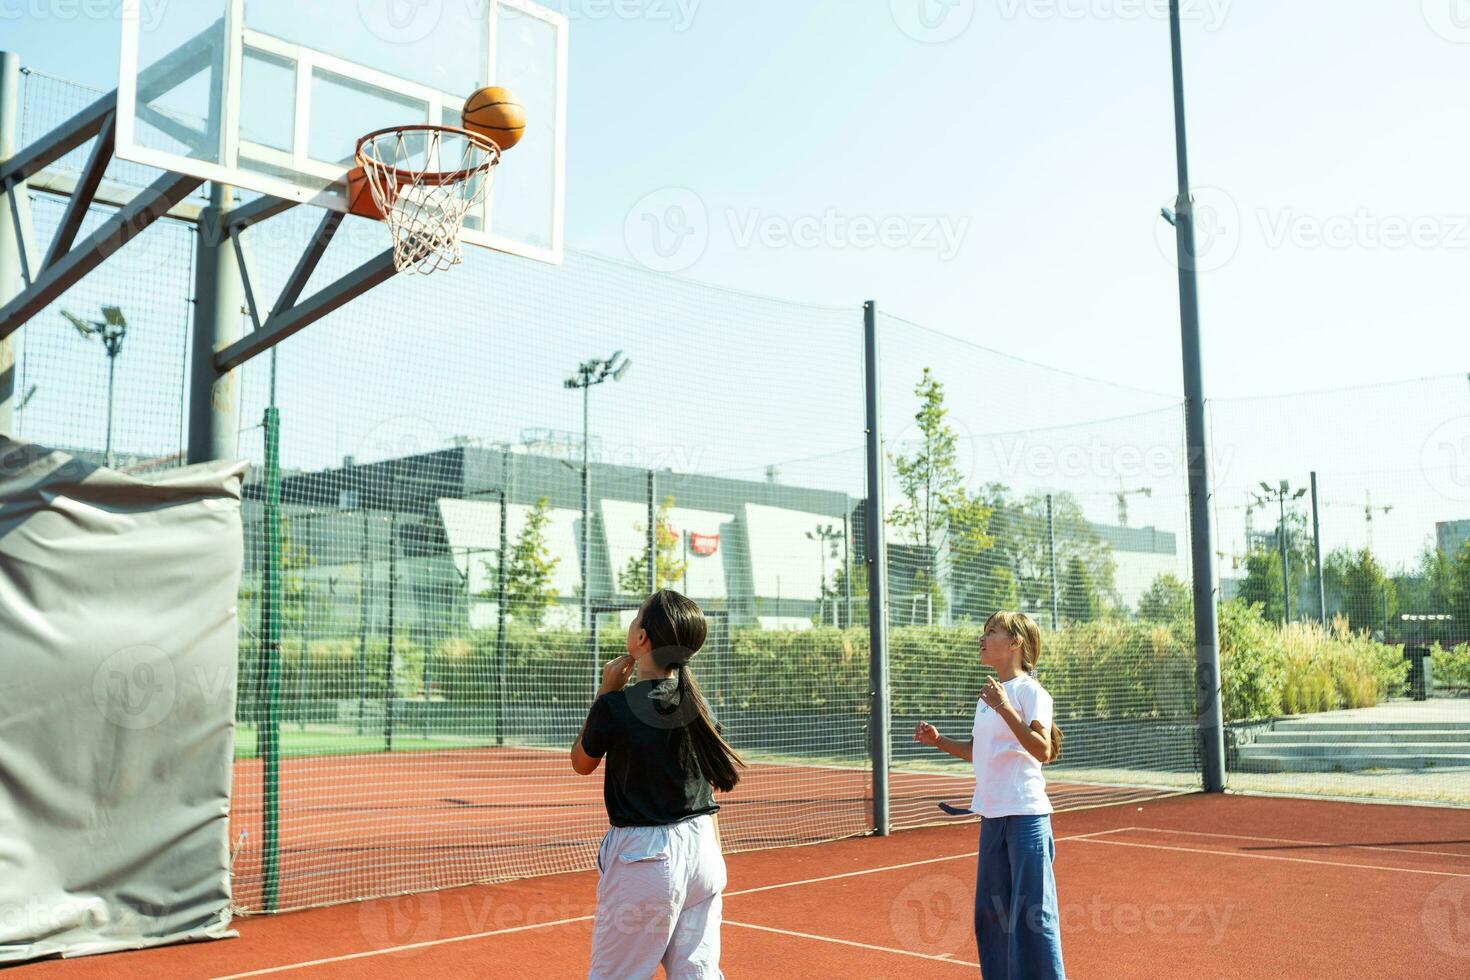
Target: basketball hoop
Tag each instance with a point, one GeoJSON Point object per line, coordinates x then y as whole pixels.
{"type": "Point", "coordinates": [422, 181]}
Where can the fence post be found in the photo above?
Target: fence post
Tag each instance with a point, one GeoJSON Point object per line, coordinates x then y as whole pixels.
{"type": "Point", "coordinates": [269, 734]}
{"type": "Point", "coordinates": [652, 533]}
{"type": "Point", "coordinates": [1051, 558]}
{"type": "Point", "coordinates": [1317, 549]}
{"type": "Point", "coordinates": [1201, 530]}
{"type": "Point", "coordinates": [15, 219]}
{"type": "Point", "coordinates": [876, 557]}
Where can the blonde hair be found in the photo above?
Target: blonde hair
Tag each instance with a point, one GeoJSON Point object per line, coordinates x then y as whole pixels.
{"type": "Point", "coordinates": [1024, 630]}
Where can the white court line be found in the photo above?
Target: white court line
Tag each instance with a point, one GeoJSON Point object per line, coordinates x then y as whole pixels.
{"type": "Point", "coordinates": [848, 942]}
{"type": "Point", "coordinates": [586, 918]}
{"type": "Point", "coordinates": [895, 867]}
{"type": "Point", "coordinates": [1314, 843]}
{"type": "Point", "coordinates": [1272, 857]}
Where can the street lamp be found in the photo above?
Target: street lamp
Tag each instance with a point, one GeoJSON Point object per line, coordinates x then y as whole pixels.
{"type": "Point", "coordinates": [112, 328]}
{"type": "Point", "coordinates": [827, 536]}
{"type": "Point", "coordinates": [588, 374]}
{"type": "Point", "coordinates": [1280, 495]}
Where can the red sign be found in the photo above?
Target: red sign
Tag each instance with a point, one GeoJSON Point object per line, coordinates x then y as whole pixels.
{"type": "Point", "coordinates": [704, 545]}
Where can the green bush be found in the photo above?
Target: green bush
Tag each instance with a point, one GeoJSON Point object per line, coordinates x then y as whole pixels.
{"type": "Point", "coordinates": [1452, 668]}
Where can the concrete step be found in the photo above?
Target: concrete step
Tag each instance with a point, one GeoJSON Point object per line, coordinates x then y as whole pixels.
{"type": "Point", "coordinates": [1321, 750]}
{"type": "Point", "coordinates": [1272, 762]}
{"type": "Point", "coordinates": [1354, 736]}
{"type": "Point", "coordinates": [1328, 725]}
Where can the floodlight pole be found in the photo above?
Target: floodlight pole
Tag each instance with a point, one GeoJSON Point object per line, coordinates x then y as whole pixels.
{"type": "Point", "coordinates": [12, 269]}
{"type": "Point", "coordinates": [1201, 529]}
{"type": "Point", "coordinates": [219, 303]}
{"type": "Point", "coordinates": [876, 558]}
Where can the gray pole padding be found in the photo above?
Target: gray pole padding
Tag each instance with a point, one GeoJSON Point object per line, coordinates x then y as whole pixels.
{"type": "Point", "coordinates": [120, 631]}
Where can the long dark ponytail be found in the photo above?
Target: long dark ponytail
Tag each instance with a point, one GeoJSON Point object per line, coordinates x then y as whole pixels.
{"type": "Point", "coordinates": [677, 629]}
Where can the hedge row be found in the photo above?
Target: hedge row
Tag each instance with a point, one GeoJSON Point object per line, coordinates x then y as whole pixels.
{"type": "Point", "coordinates": [1110, 669]}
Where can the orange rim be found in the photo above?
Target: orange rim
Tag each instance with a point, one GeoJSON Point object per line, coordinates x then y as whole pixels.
{"type": "Point", "coordinates": [402, 177]}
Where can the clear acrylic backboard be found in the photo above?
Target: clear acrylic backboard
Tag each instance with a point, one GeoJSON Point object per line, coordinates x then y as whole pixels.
{"type": "Point", "coordinates": [272, 95]}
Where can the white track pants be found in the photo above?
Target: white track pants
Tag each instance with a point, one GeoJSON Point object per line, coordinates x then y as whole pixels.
{"type": "Point", "coordinates": [659, 902]}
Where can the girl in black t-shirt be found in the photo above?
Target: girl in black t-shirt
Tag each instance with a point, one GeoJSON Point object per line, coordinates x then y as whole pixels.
{"type": "Point", "coordinates": [659, 898]}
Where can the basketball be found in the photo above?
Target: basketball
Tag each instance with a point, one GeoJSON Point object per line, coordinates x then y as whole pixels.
{"type": "Point", "coordinates": [494, 112]}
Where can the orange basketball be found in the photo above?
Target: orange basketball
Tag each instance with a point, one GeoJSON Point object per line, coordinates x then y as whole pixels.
{"type": "Point", "coordinates": [495, 113]}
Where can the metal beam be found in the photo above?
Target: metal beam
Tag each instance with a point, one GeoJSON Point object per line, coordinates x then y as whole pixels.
{"type": "Point", "coordinates": [82, 196]}
{"type": "Point", "coordinates": [287, 322]}
{"type": "Point", "coordinates": [186, 61]}
{"type": "Point", "coordinates": [258, 210]}
{"type": "Point", "coordinates": [129, 222]}
{"type": "Point", "coordinates": [250, 305]}
{"type": "Point", "coordinates": [112, 193]}
{"type": "Point", "coordinates": [19, 205]}
{"type": "Point", "coordinates": [301, 275]}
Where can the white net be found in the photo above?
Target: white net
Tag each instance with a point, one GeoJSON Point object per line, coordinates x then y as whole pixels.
{"type": "Point", "coordinates": [425, 180]}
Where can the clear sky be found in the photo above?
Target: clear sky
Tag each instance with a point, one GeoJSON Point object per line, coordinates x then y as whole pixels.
{"type": "Point", "coordinates": [995, 170]}
{"type": "Point", "coordinates": [1019, 151]}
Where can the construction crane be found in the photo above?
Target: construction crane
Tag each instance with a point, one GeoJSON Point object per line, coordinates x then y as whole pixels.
{"type": "Point", "coordinates": [1370, 512]}
{"type": "Point", "coordinates": [1123, 495]}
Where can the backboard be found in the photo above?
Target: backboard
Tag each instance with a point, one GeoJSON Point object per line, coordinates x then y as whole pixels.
{"type": "Point", "coordinates": [272, 95]}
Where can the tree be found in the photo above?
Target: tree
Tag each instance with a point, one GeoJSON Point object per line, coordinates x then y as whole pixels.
{"type": "Point", "coordinates": [633, 580]}
{"type": "Point", "coordinates": [859, 611]}
{"type": "Point", "coordinates": [1022, 543]}
{"type": "Point", "coordinates": [1262, 582]}
{"type": "Point", "coordinates": [1168, 600]}
{"type": "Point", "coordinates": [1357, 585]}
{"type": "Point", "coordinates": [937, 512]}
{"type": "Point", "coordinates": [528, 589]}
{"type": "Point", "coordinates": [1261, 587]}
{"type": "Point", "coordinates": [1077, 594]}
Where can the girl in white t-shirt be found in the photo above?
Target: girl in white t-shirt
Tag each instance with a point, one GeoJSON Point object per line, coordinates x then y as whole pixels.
{"type": "Point", "coordinates": [1017, 924]}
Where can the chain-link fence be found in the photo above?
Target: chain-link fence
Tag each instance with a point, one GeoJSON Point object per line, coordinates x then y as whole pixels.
{"type": "Point", "coordinates": [450, 574]}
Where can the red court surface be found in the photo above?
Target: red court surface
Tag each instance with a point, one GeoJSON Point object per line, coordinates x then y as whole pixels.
{"type": "Point", "coordinates": [1192, 886]}
{"type": "Point", "coordinates": [360, 825]}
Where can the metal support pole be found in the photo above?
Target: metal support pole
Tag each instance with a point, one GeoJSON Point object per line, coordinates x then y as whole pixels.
{"type": "Point", "coordinates": [876, 558]}
{"type": "Point", "coordinates": [362, 629]}
{"type": "Point", "coordinates": [269, 735]}
{"type": "Point", "coordinates": [586, 516]}
{"type": "Point", "coordinates": [653, 533]}
{"type": "Point", "coordinates": [1317, 552]}
{"type": "Point", "coordinates": [219, 301]}
{"type": "Point", "coordinates": [1051, 558]}
{"type": "Point", "coordinates": [1285, 562]}
{"type": "Point", "coordinates": [846, 567]}
{"type": "Point", "coordinates": [392, 608]}
{"type": "Point", "coordinates": [1201, 531]}
{"type": "Point", "coordinates": [12, 268]}
{"type": "Point", "coordinates": [505, 494]}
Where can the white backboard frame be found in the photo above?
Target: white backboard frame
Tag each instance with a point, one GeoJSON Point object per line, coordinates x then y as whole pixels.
{"type": "Point", "coordinates": [238, 38]}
